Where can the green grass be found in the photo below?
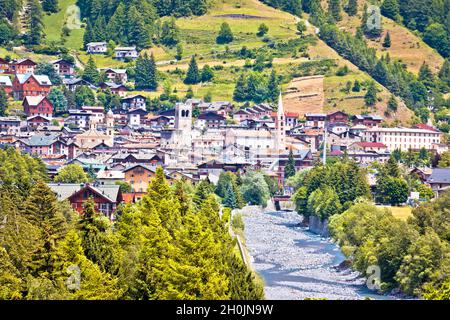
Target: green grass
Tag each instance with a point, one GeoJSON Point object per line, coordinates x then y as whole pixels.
{"type": "Point", "coordinates": [199, 33]}
{"type": "Point", "coordinates": [54, 23]}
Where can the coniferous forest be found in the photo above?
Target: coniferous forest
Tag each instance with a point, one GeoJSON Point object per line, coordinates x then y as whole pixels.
{"type": "Point", "coordinates": [173, 244]}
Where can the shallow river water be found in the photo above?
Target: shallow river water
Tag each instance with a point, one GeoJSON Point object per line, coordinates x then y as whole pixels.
{"type": "Point", "coordinates": [297, 264]}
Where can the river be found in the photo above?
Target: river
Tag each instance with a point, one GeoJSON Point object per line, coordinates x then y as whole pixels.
{"type": "Point", "coordinates": [297, 264]}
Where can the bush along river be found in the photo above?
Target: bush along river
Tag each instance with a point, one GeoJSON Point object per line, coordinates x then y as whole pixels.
{"type": "Point", "coordinates": [296, 263]}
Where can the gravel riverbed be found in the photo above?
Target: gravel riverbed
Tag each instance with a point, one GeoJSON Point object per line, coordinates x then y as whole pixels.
{"type": "Point", "coordinates": [295, 263]}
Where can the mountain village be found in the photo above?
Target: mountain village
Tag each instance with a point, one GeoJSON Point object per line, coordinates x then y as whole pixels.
{"type": "Point", "coordinates": [127, 143]}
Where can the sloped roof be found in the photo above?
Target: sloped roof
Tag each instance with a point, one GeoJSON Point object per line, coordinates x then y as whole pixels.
{"type": "Point", "coordinates": [66, 190]}
{"type": "Point", "coordinates": [34, 100]}
{"type": "Point", "coordinates": [5, 81]}
{"type": "Point", "coordinates": [440, 175]}
{"type": "Point", "coordinates": [43, 80]}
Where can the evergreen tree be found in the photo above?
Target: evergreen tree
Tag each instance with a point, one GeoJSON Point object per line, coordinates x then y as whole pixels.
{"type": "Point", "coordinates": [444, 73]}
{"type": "Point", "coordinates": [192, 75]}
{"type": "Point", "coordinates": [392, 103]}
{"type": "Point", "coordinates": [387, 41]}
{"type": "Point", "coordinates": [86, 281]}
{"type": "Point", "coordinates": [88, 34]}
{"type": "Point", "coordinates": [225, 34]}
{"type": "Point", "coordinates": [230, 200]}
{"type": "Point", "coordinates": [289, 169]}
{"type": "Point", "coordinates": [240, 92]}
{"type": "Point", "coordinates": [371, 95]}
{"type": "Point", "coordinates": [117, 25]}
{"type": "Point", "coordinates": [50, 5]}
{"type": "Point", "coordinates": [170, 33]}
{"type": "Point", "coordinates": [48, 70]}
{"type": "Point", "coordinates": [146, 73]}
{"type": "Point", "coordinates": [390, 9]}
{"type": "Point", "coordinates": [273, 88]}
{"type": "Point", "coordinates": [301, 27]}
{"type": "Point", "coordinates": [10, 282]}
{"type": "Point", "coordinates": [356, 86]}
{"type": "Point", "coordinates": [3, 102]}
{"type": "Point", "coordinates": [179, 54]}
{"type": "Point", "coordinates": [100, 245]}
{"type": "Point", "coordinates": [334, 9]}
{"type": "Point", "coordinates": [58, 100]}
{"type": "Point", "coordinates": [352, 7]}
{"type": "Point", "coordinates": [207, 73]}
{"type": "Point", "coordinates": [137, 32]}
{"type": "Point", "coordinates": [90, 73]}
{"type": "Point", "coordinates": [41, 210]}
{"type": "Point", "coordinates": [35, 25]}
{"type": "Point", "coordinates": [262, 30]}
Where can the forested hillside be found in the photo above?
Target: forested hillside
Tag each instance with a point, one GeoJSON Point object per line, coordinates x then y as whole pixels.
{"type": "Point", "coordinates": [135, 22]}
{"type": "Point", "coordinates": [421, 93]}
{"type": "Point", "coordinates": [173, 244]}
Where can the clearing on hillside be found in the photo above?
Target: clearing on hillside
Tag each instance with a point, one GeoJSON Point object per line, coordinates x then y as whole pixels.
{"type": "Point", "coordinates": [304, 95]}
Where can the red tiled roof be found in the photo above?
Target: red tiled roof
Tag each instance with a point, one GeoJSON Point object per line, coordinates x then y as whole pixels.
{"type": "Point", "coordinates": [425, 127]}
{"type": "Point", "coordinates": [371, 144]}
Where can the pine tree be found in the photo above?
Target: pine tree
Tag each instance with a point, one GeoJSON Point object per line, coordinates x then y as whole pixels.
{"type": "Point", "coordinates": [159, 188]}
{"type": "Point", "coordinates": [10, 281]}
{"type": "Point", "coordinates": [390, 9]}
{"type": "Point", "coordinates": [240, 92]}
{"type": "Point", "coordinates": [207, 73]}
{"type": "Point", "coordinates": [90, 73]}
{"type": "Point", "coordinates": [334, 9]}
{"type": "Point", "coordinates": [352, 7]}
{"type": "Point", "coordinates": [289, 169]}
{"type": "Point", "coordinates": [392, 103]}
{"type": "Point", "coordinates": [262, 30]}
{"type": "Point", "coordinates": [230, 200]}
{"type": "Point", "coordinates": [100, 245]}
{"type": "Point", "coordinates": [35, 25]}
{"type": "Point", "coordinates": [225, 34]}
{"type": "Point", "coordinates": [356, 86]}
{"type": "Point", "coordinates": [117, 25]}
{"type": "Point", "coordinates": [3, 102]}
{"type": "Point", "coordinates": [371, 95]}
{"type": "Point", "coordinates": [41, 209]}
{"type": "Point", "coordinates": [444, 73]}
{"type": "Point", "coordinates": [202, 191]}
{"type": "Point", "coordinates": [85, 281]}
{"type": "Point", "coordinates": [137, 33]}
{"type": "Point", "coordinates": [152, 73]}
{"type": "Point", "coordinates": [242, 281]}
{"type": "Point", "coordinates": [18, 235]}
{"type": "Point", "coordinates": [179, 54]}
{"type": "Point", "coordinates": [170, 33]}
{"type": "Point", "coordinates": [273, 90]}
{"type": "Point", "coordinates": [387, 41]}
{"type": "Point", "coordinates": [88, 34]}
{"type": "Point", "coordinates": [391, 168]}
{"type": "Point", "coordinates": [50, 5]}
{"type": "Point", "coordinates": [192, 75]}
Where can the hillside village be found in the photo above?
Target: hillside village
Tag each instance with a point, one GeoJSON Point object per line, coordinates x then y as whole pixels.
{"type": "Point", "coordinates": [210, 149]}
{"type": "Point", "coordinates": [127, 142]}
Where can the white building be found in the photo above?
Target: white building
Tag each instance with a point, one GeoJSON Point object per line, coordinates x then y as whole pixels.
{"type": "Point", "coordinates": [96, 48]}
{"type": "Point", "coordinates": [122, 53]}
{"type": "Point", "coordinates": [403, 138]}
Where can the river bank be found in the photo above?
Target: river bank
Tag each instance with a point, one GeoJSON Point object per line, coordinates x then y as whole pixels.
{"type": "Point", "coordinates": [295, 263]}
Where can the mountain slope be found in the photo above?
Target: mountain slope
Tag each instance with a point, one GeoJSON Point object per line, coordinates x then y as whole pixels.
{"type": "Point", "coordinates": [405, 45]}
